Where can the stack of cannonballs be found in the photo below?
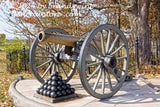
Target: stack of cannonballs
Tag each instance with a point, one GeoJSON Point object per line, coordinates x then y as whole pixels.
{"type": "Point", "coordinates": [55, 87]}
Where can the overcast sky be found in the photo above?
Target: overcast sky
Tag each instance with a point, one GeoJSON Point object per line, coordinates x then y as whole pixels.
{"type": "Point", "coordinates": [4, 26]}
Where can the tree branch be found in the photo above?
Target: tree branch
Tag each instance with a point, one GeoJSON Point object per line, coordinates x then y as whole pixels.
{"type": "Point", "coordinates": [116, 5]}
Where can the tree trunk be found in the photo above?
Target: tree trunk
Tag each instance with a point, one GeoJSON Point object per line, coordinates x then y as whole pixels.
{"type": "Point", "coordinates": [156, 4]}
{"type": "Point", "coordinates": [138, 16]}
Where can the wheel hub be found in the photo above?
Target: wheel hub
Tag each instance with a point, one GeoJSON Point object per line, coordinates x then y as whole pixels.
{"type": "Point", "coordinates": [110, 61]}
{"type": "Point", "coordinates": [56, 58]}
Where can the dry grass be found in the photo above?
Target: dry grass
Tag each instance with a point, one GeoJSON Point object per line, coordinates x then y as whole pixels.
{"type": "Point", "coordinates": [5, 81]}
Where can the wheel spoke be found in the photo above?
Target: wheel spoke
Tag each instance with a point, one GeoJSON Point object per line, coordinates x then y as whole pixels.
{"type": "Point", "coordinates": [67, 65]}
{"type": "Point", "coordinates": [96, 46]}
{"type": "Point", "coordinates": [63, 70]}
{"type": "Point", "coordinates": [44, 63]}
{"type": "Point", "coordinates": [95, 63]}
{"type": "Point", "coordinates": [88, 70]}
{"type": "Point", "coordinates": [47, 70]}
{"type": "Point", "coordinates": [98, 57]}
{"type": "Point", "coordinates": [108, 41]}
{"type": "Point", "coordinates": [57, 68]}
{"type": "Point", "coordinates": [94, 72]}
{"type": "Point", "coordinates": [44, 56]}
{"type": "Point", "coordinates": [102, 44]}
{"type": "Point", "coordinates": [103, 80]}
{"type": "Point", "coordinates": [45, 50]}
{"type": "Point", "coordinates": [117, 50]}
{"type": "Point", "coordinates": [109, 81]}
{"type": "Point", "coordinates": [50, 47]}
{"type": "Point", "coordinates": [116, 77]}
{"type": "Point", "coordinates": [120, 68]}
{"type": "Point", "coordinates": [119, 58]}
{"type": "Point", "coordinates": [54, 47]}
{"type": "Point", "coordinates": [97, 81]}
{"type": "Point", "coordinates": [113, 44]}
{"type": "Point", "coordinates": [57, 47]}
{"type": "Point", "coordinates": [54, 68]}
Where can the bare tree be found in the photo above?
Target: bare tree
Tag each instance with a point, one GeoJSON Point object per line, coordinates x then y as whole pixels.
{"type": "Point", "coordinates": [138, 16]}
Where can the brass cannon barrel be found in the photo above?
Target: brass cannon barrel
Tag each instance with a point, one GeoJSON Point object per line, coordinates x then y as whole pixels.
{"type": "Point", "coordinates": [68, 40]}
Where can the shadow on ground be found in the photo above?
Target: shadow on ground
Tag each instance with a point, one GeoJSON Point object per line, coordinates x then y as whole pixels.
{"type": "Point", "coordinates": [133, 92]}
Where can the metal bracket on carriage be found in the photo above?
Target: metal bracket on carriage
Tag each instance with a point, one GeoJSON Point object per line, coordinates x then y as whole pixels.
{"type": "Point", "coordinates": [70, 52]}
{"type": "Point", "coordinates": [129, 77]}
{"type": "Point", "coordinates": [77, 47]}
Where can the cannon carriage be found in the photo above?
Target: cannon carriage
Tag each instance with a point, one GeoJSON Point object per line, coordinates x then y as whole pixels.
{"type": "Point", "coordinates": [102, 58]}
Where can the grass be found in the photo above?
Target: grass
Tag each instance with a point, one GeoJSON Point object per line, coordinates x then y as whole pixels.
{"type": "Point", "coordinates": [5, 81]}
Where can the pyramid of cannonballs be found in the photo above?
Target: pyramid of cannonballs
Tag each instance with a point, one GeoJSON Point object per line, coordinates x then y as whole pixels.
{"type": "Point", "coordinates": [54, 87]}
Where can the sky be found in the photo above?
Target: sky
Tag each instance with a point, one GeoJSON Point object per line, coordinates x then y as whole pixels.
{"type": "Point", "coordinates": [4, 26]}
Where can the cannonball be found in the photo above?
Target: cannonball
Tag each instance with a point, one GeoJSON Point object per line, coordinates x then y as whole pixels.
{"type": "Point", "coordinates": [41, 85]}
{"type": "Point", "coordinates": [59, 93]}
{"type": "Point", "coordinates": [55, 74]}
{"type": "Point", "coordinates": [63, 92]}
{"type": "Point", "coordinates": [49, 87]}
{"type": "Point", "coordinates": [50, 77]}
{"type": "Point", "coordinates": [53, 94]}
{"type": "Point", "coordinates": [41, 91]}
{"type": "Point", "coordinates": [49, 82]}
{"type": "Point", "coordinates": [45, 86]}
{"type": "Point", "coordinates": [45, 92]}
{"type": "Point", "coordinates": [68, 85]}
{"type": "Point", "coordinates": [46, 81]}
{"type": "Point", "coordinates": [63, 81]}
{"type": "Point", "coordinates": [59, 82]}
{"type": "Point", "coordinates": [68, 91]}
{"type": "Point", "coordinates": [48, 93]}
{"type": "Point", "coordinates": [54, 83]}
{"type": "Point", "coordinates": [54, 78]}
{"type": "Point", "coordinates": [64, 87]}
{"type": "Point", "coordinates": [72, 90]}
{"type": "Point", "coordinates": [53, 88]}
{"type": "Point", "coordinates": [59, 77]}
{"type": "Point", "coordinates": [38, 90]}
{"type": "Point", "coordinates": [59, 87]}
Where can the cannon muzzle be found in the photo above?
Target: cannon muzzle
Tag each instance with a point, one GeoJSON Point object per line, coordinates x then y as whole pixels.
{"type": "Point", "coordinates": [68, 40]}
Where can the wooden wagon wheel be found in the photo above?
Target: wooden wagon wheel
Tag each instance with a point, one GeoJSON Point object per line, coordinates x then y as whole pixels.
{"type": "Point", "coordinates": [44, 59]}
{"type": "Point", "coordinates": [103, 77]}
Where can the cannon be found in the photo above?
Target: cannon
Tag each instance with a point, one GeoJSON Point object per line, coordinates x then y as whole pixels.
{"type": "Point", "coordinates": [101, 58]}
